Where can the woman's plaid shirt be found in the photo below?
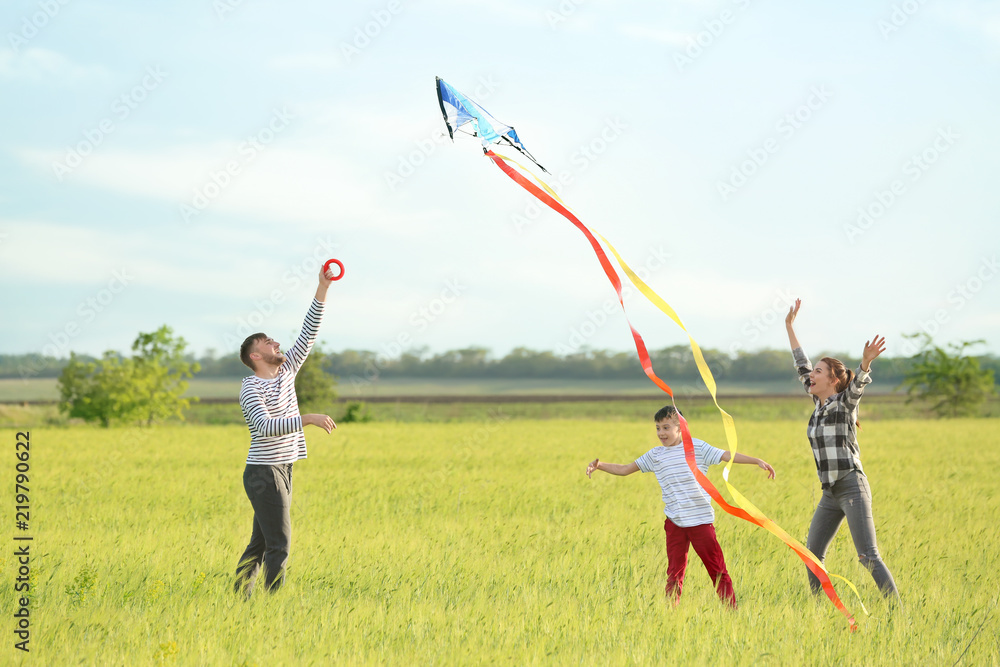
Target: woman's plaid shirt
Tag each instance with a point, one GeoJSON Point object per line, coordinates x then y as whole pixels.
{"type": "Point", "coordinates": [832, 431]}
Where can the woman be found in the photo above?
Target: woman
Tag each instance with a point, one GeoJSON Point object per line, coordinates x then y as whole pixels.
{"type": "Point", "coordinates": [832, 432]}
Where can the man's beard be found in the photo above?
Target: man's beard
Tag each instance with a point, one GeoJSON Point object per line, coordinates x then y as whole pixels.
{"type": "Point", "coordinates": [275, 359]}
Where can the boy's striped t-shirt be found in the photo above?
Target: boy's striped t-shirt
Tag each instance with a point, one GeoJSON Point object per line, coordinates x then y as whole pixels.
{"type": "Point", "coordinates": [271, 408]}
{"type": "Point", "coordinates": [684, 501]}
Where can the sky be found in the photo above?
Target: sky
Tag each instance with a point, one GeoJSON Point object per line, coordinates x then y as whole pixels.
{"type": "Point", "coordinates": [192, 163]}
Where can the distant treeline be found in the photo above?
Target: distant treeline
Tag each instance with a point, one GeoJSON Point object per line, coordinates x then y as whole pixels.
{"type": "Point", "coordinates": [672, 363]}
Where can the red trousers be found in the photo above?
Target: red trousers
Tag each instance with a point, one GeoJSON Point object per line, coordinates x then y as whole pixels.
{"type": "Point", "coordinates": [702, 538]}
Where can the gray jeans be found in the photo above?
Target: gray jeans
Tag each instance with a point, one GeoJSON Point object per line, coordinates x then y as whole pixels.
{"type": "Point", "coordinates": [269, 489]}
{"type": "Point", "coordinates": [850, 497]}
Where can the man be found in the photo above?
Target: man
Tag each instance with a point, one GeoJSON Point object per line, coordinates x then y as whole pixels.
{"type": "Point", "coordinates": [271, 410]}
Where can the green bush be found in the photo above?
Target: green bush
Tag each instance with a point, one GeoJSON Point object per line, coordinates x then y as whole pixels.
{"type": "Point", "coordinates": [954, 383]}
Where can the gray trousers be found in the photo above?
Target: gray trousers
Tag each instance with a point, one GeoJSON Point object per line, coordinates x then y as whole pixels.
{"type": "Point", "coordinates": [850, 497]}
{"type": "Point", "coordinates": [269, 489]}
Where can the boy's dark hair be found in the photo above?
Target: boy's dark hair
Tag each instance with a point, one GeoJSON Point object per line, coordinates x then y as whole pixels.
{"type": "Point", "coordinates": [245, 349]}
{"type": "Point", "coordinates": [666, 412]}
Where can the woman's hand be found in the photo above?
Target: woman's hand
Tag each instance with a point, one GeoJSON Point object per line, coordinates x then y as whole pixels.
{"type": "Point", "coordinates": [873, 348]}
{"type": "Point", "coordinates": [789, 318]}
{"type": "Point", "coordinates": [792, 312]}
{"type": "Point", "coordinates": [593, 466]}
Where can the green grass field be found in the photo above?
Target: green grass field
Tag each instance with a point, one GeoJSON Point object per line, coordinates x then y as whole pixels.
{"type": "Point", "coordinates": [483, 542]}
{"type": "Point", "coordinates": [45, 389]}
{"type": "Point", "coordinates": [745, 408]}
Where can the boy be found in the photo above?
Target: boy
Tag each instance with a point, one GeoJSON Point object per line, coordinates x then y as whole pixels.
{"type": "Point", "coordinates": [687, 506]}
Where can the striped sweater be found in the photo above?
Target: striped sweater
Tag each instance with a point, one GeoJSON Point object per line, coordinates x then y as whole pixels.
{"type": "Point", "coordinates": [684, 501]}
{"type": "Point", "coordinates": [271, 408]}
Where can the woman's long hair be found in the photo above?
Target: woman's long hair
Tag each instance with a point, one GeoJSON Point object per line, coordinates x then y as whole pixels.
{"type": "Point", "coordinates": [842, 374]}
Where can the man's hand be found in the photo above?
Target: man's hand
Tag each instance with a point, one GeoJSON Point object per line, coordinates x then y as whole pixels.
{"type": "Point", "coordinates": [325, 278]}
{"type": "Point", "coordinates": [323, 421]}
{"type": "Point", "coordinates": [766, 466]}
{"type": "Point", "coordinates": [324, 283]}
{"type": "Point", "coordinates": [593, 466]}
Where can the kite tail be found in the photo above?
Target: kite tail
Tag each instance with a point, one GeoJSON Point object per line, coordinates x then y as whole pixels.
{"type": "Point", "coordinates": [547, 196]}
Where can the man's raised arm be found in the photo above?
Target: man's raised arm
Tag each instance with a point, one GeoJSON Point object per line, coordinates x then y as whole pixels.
{"type": "Point", "coordinates": [310, 327]}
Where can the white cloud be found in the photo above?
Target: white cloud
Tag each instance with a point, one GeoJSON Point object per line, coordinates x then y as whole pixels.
{"type": "Point", "coordinates": [512, 12]}
{"type": "Point", "coordinates": [39, 65]}
{"type": "Point", "coordinates": [973, 16]}
{"type": "Point", "coordinates": [673, 38]}
{"type": "Point", "coordinates": [52, 253]}
{"type": "Point", "coordinates": [305, 61]}
{"type": "Point", "coordinates": [224, 262]}
{"type": "Point", "coordinates": [278, 182]}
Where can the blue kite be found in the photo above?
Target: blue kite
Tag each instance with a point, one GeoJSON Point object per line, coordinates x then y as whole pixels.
{"type": "Point", "coordinates": [460, 111]}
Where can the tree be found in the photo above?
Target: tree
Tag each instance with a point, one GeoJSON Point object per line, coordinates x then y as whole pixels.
{"type": "Point", "coordinates": [161, 374]}
{"type": "Point", "coordinates": [956, 383]}
{"type": "Point", "coordinates": [98, 391]}
{"type": "Point", "coordinates": [314, 387]}
{"type": "Point", "coordinates": [146, 387]}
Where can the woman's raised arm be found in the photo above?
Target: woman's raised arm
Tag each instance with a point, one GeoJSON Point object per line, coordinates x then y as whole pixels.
{"type": "Point", "coordinates": [789, 318]}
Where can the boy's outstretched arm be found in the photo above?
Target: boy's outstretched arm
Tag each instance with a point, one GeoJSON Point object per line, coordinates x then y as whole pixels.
{"type": "Point", "coordinates": [743, 458]}
{"type": "Point", "coordinates": [613, 468]}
